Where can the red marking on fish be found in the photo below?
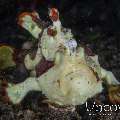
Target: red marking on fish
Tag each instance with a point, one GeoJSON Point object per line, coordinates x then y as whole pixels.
{"type": "Point", "coordinates": [51, 32]}
{"type": "Point", "coordinates": [89, 52]}
{"type": "Point", "coordinates": [43, 66]}
{"type": "Point", "coordinates": [33, 15]}
{"type": "Point", "coordinates": [54, 15]}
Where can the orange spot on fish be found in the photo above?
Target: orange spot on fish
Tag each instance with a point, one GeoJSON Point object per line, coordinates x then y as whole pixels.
{"type": "Point", "coordinates": [54, 15]}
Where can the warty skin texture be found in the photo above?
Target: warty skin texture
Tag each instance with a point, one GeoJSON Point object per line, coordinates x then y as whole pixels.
{"type": "Point", "coordinates": [71, 81]}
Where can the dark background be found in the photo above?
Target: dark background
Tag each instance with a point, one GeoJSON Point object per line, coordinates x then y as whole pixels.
{"type": "Point", "coordinates": [80, 15]}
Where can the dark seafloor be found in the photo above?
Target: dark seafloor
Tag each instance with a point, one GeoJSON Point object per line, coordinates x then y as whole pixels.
{"type": "Point", "coordinates": [95, 23]}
